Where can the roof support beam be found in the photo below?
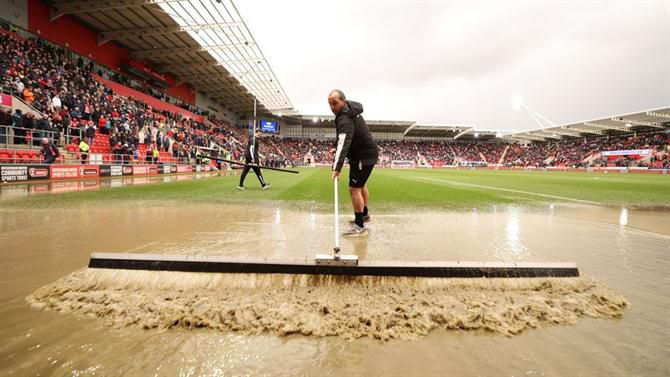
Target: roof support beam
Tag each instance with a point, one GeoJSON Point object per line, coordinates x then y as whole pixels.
{"type": "Point", "coordinates": [658, 115]}
{"type": "Point", "coordinates": [112, 35]}
{"type": "Point", "coordinates": [83, 6]}
{"type": "Point", "coordinates": [409, 129]}
{"type": "Point", "coordinates": [546, 134]}
{"type": "Point", "coordinates": [464, 132]}
{"type": "Point", "coordinates": [190, 65]}
{"type": "Point", "coordinates": [159, 52]}
{"type": "Point", "coordinates": [639, 122]}
{"type": "Point", "coordinates": [531, 137]}
{"type": "Point", "coordinates": [607, 127]}
{"type": "Point", "coordinates": [583, 130]}
{"type": "Point", "coordinates": [566, 132]}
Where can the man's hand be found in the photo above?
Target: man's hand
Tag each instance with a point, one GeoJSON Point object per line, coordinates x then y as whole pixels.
{"type": "Point", "coordinates": [335, 174]}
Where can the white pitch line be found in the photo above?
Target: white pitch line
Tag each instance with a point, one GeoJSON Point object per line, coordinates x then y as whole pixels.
{"type": "Point", "coordinates": [508, 190]}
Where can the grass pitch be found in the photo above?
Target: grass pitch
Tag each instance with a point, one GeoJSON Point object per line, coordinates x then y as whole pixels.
{"type": "Point", "coordinates": [391, 189]}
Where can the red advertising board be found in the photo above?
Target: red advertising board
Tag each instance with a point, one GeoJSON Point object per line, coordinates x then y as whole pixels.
{"type": "Point", "coordinates": [140, 170]}
{"type": "Point", "coordinates": [64, 171]}
{"type": "Point", "coordinates": [5, 100]}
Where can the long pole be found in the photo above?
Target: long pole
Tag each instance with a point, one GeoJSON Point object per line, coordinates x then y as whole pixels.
{"type": "Point", "coordinates": [253, 129]}
{"type": "Point", "coordinates": [250, 165]}
{"type": "Point", "coordinates": [337, 221]}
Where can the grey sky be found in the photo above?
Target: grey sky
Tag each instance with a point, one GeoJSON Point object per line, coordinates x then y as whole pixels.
{"type": "Point", "coordinates": [461, 62]}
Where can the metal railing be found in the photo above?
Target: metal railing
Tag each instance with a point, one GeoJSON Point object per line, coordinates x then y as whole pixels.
{"type": "Point", "coordinates": [12, 137]}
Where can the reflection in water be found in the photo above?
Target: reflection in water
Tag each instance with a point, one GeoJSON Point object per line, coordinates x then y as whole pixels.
{"type": "Point", "coordinates": [623, 217]}
{"type": "Point", "coordinates": [278, 215]}
{"type": "Point", "coordinates": [513, 234]}
{"type": "Point", "coordinates": [512, 246]}
{"type": "Point", "coordinates": [10, 191]}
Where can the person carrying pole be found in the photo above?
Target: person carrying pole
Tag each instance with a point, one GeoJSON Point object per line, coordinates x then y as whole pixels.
{"type": "Point", "coordinates": [251, 153]}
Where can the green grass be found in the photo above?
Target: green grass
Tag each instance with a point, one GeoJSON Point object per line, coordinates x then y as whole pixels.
{"type": "Point", "coordinates": [389, 190]}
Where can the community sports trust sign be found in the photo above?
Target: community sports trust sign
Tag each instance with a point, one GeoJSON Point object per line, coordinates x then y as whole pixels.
{"type": "Point", "coordinates": [20, 173]}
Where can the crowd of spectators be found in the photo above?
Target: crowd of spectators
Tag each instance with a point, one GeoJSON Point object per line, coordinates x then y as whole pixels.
{"type": "Point", "coordinates": [74, 103]}
{"type": "Point", "coordinates": [587, 152]}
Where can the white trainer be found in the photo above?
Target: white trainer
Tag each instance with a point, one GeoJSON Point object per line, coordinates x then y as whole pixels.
{"type": "Point", "coordinates": [356, 230]}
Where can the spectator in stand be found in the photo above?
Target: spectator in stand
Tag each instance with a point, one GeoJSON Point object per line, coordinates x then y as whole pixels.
{"type": "Point", "coordinates": [117, 152]}
{"type": "Point", "coordinates": [18, 84]}
{"type": "Point", "coordinates": [28, 95]}
{"type": "Point", "coordinates": [5, 121]}
{"type": "Point", "coordinates": [166, 144]}
{"type": "Point", "coordinates": [90, 134]}
{"type": "Point", "coordinates": [127, 154]}
{"type": "Point", "coordinates": [43, 126]}
{"type": "Point", "coordinates": [149, 153]}
{"type": "Point", "coordinates": [56, 103]}
{"type": "Point", "coordinates": [156, 154]}
{"type": "Point", "coordinates": [83, 151]}
{"type": "Point", "coordinates": [49, 151]}
{"type": "Point", "coordinates": [76, 113]}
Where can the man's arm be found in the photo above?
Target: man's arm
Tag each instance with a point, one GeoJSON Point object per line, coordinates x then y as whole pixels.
{"type": "Point", "coordinates": [344, 137]}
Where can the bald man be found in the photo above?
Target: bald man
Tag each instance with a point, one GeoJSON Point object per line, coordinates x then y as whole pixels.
{"type": "Point", "coordinates": [49, 151]}
{"type": "Point", "coordinates": [354, 141]}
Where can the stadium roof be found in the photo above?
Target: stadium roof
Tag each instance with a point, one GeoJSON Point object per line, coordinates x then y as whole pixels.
{"type": "Point", "coordinates": [203, 42]}
{"type": "Point", "coordinates": [658, 118]}
{"type": "Point", "coordinates": [642, 120]}
{"type": "Point", "coordinates": [409, 129]}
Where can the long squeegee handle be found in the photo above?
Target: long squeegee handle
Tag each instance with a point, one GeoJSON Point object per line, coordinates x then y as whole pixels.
{"type": "Point", "coordinates": [337, 217]}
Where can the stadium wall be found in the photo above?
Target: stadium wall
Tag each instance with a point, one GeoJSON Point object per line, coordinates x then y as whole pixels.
{"type": "Point", "coordinates": [207, 103]}
{"type": "Point", "coordinates": [71, 33]}
{"type": "Point", "coordinates": [15, 12]}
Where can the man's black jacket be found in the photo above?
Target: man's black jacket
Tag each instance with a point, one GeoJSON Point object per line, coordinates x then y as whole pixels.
{"type": "Point", "coordinates": [353, 137]}
{"type": "Point", "coordinates": [251, 150]}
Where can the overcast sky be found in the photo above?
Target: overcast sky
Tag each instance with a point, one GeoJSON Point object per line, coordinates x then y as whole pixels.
{"type": "Point", "coordinates": [461, 62]}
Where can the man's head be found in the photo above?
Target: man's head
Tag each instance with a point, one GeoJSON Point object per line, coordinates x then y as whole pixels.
{"type": "Point", "coordinates": [336, 100]}
{"type": "Point", "coordinates": [45, 141]}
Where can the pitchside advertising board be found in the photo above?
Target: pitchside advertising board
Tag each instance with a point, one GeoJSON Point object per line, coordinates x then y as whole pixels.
{"type": "Point", "coordinates": [115, 170]}
{"type": "Point", "coordinates": [629, 152]}
{"type": "Point", "coordinates": [167, 169]}
{"type": "Point", "coordinates": [20, 173]}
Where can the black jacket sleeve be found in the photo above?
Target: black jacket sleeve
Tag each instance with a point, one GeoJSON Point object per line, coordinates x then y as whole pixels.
{"type": "Point", "coordinates": [344, 135]}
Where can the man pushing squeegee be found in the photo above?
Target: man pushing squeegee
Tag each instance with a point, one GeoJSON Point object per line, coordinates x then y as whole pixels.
{"type": "Point", "coordinates": [355, 142]}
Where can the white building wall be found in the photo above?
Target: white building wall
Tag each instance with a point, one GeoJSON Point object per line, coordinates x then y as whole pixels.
{"type": "Point", "coordinates": [205, 102]}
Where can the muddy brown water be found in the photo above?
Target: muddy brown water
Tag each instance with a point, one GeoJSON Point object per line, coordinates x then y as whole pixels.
{"type": "Point", "coordinates": [612, 322]}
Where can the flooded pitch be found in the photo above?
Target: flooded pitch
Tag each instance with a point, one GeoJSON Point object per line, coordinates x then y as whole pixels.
{"type": "Point", "coordinates": [612, 321]}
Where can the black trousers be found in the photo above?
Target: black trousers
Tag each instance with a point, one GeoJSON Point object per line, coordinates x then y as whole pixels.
{"type": "Point", "coordinates": [257, 170]}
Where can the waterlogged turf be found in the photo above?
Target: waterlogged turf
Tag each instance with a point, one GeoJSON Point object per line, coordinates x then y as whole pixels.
{"type": "Point", "coordinates": [391, 189]}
